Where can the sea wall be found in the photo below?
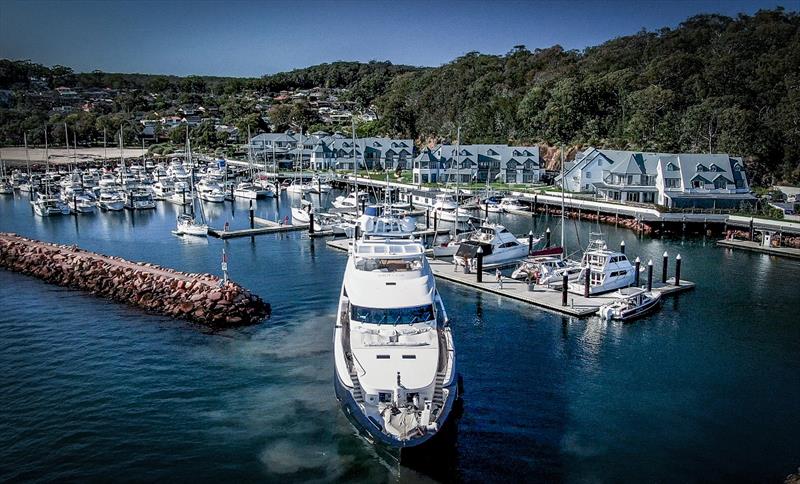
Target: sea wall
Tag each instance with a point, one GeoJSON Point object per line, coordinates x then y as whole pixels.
{"type": "Point", "coordinates": [201, 298]}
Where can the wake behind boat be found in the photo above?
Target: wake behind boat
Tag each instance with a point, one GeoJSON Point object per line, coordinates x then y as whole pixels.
{"type": "Point", "coordinates": [395, 369]}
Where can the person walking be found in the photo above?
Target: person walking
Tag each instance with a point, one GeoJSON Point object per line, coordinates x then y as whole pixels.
{"type": "Point", "coordinates": [499, 277]}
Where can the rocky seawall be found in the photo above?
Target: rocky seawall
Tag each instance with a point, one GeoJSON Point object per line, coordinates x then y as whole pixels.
{"type": "Point", "coordinates": [200, 298]}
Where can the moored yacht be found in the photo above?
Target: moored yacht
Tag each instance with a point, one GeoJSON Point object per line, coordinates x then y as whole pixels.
{"type": "Point", "coordinates": [45, 205]}
{"type": "Point", "coordinates": [631, 303]}
{"type": "Point", "coordinates": [187, 225]}
{"type": "Point", "coordinates": [139, 199]}
{"type": "Point", "coordinates": [111, 199]}
{"type": "Point", "coordinates": [210, 191]}
{"type": "Point", "coordinates": [498, 245]}
{"type": "Point", "coordinates": [507, 204]}
{"type": "Point", "coordinates": [605, 269]}
{"type": "Point", "coordinates": [395, 367]}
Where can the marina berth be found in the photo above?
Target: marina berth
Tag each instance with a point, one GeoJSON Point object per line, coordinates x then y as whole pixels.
{"type": "Point", "coordinates": [395, 365]}
{"type": "Point", "coordinates": [605, 270]}
{"type": "Point", "coordinates": [631, 303]}
{"type": "Point", "coordinates": [498, 246]}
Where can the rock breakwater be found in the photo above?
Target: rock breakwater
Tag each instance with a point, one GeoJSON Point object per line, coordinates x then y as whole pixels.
{"type": "Point", "coordinates": [201, 298]}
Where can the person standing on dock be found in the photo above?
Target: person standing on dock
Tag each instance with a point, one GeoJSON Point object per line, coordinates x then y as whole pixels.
{"type": "Point", "coordinates": [499, 277]}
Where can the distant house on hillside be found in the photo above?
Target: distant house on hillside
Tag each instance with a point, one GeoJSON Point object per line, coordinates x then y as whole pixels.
{"type": "Point", "coordinates": [674, 180]}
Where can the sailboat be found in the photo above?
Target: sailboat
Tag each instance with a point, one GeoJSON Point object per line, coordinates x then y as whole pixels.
{"type": "Point", "coordinates": [548, 266]}
{"type": "Point", "coordinates": [5, 186]}
{"type": "Point", "coordinates": [186, 223]}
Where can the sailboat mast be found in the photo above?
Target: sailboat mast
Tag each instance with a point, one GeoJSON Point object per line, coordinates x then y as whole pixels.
{"type": "Point", "coordinates": [355, 164]}
{"type": "Point", "coordinates": [27, 155]}
{"type": "Point", "coordinates": [66, 138]}
{"type": "Point", "coordinates": [563, 248]}
{"type": "Point", "coordinates": [458, 175]}
{"type": "Point", "coordinates": [105, 146]}
{"type": "Point", "coordinates": [46, 155]}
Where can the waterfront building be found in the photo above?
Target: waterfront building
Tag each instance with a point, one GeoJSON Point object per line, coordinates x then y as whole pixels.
{"type": "Point", "coordinates": [673, 180]}
{"type": "Point", "coordinates": [323, 151]}
{"type": "Point", "coordinates": [479, 163]}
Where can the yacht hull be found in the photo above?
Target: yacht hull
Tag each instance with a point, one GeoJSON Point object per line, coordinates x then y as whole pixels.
{"type": "Point", "coordinates": [407, 448]}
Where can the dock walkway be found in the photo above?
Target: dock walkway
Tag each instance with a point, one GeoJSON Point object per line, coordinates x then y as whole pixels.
{"type": "Point", "coordinates": [541, 296]}
{"type": "Point", "coordinates": [757, 247]}
{"type": "Point", "coordinates": [262, 226]}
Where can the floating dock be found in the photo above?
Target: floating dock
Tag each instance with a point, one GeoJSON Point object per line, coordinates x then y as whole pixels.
{"type": "Point", "coordinates": [262, 227]}
{"type": "Point", "coordinates": [757, 247]}
{"type": "Point", "coordinates": [541, 296]}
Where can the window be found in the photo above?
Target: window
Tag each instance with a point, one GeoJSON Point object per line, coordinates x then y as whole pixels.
{"type": "Point", "coordinates": [672, 183]}
{"type": "Point", "coordinates": [697, 183]}
{"type": "Point", "coordinates": [414, 314]}
{"type": "Point", "coordinates": [509, 244]}
{"type": "Point", "coordinates": [588, 174]}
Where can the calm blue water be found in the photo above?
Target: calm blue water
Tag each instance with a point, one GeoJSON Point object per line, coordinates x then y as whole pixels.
{"type": "Point", "coordinates": [706, 389]}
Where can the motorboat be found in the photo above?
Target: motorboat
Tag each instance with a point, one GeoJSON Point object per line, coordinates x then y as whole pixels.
{"type": "Point", "coordinates": [6, 188]}
{"type": "Point", "coordinates": [605, 269]}
{"type": "Point", "coordinates": [498, 245]}
{"type": "Point", "coordinates": [319, 185]}
{"type": "Point", "coordinates": [107, 180]}
{"type": "Point", "coordinates": [395, 363]}
{"type": "Point", "coordinates": [181, 195]}
{"type": "Point", "coordinates": [302, 214]}
{"type": "Point", "coordinates": [546, 270]}
{"type": "Point", "coordinates": [492, 204]}
{"type": "Point", "coordinates": [46, 205]}
{"type": "Point", "coordinates": [630, 303]}
{"type": "Point", "coordinates": [139, 199]}
{"type": "Point", "coordinates": [187, 225]}
{"type": "Point", "coordinates": [210, 191]}
{"type": "Point", "coordinates": [351, 200]}
{"type": "Point", "coordinates": [110, 199]}
{"type": "Point", "coordinates": [266, 187]}
{"type": "Point", "coordinates": [163, 188]}
{"type": "Point", "coordinates": [177, 171]}
{"type": "Point", "coordinates": [298, 188]}
{"type": "Point", "coordinates": [509, 204]}
{"type": "Point", "coordinates": [78, 199]}
{"type": "Point", "coordinates": [246, 190]}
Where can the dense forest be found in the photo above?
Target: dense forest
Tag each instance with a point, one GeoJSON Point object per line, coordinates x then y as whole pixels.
{"type": "Point", "coordinates": [713, 83]}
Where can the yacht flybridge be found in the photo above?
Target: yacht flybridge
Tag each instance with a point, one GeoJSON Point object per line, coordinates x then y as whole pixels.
{"type": "Point", "coordinates": [395, 368]}
{"type": "Point", "coordinates": [499, 246]}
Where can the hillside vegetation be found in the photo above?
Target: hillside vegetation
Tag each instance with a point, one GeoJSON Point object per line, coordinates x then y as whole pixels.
{"type": "Point", "coordinates": [714, 83]}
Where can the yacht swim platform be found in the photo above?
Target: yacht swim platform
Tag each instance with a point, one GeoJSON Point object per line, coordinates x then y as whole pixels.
{"type": "Point", "coordinates": [541, 296]}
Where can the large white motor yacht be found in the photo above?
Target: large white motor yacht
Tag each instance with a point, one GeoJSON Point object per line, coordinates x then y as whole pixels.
{"type": "Point", "coordinates": [606, 269]}
{"type": "Point", "coordinates": [499, 246]}
{"type": "Point", "coordinates": [111, 199]}
{"type": "Point", "coordinates": [210, 191]}
{"type": "Point", "coordinates": [395, 365]}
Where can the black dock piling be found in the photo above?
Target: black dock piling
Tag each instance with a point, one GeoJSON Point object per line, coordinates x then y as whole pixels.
{"type": "Point", "coordinates": [586, 281]}
{"type": "Point", "coordinates": [530, 241]}
{"type": "Point", "coordinates": [564, 287]}
{"type": "Point", "coordinates": [547, 235]}
{"type": "Point", "coordinates": [252, 216]}
{"type": "Point", "coordinates": [678, 270]}
{"type": "Point", "coordinates": [622, 246]}
{"type": "Point", "coordinates": [480, 264]}
{"type": "Point", "coordinates": [637, 265]}
{"type": "Point", "coordinates": [664, 268]}
{"type": "Point", "coordinates": [650, 275]}
{"type": "Point", "coordinates": [311, 223]}
{"type": "Point", "coordinates": [427, 218]}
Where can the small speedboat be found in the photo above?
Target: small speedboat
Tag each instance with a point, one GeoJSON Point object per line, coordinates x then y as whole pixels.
{"type": "Point", "coordinates": [509, 204]}
{"type": "Point", "coordinates": [631, 303]}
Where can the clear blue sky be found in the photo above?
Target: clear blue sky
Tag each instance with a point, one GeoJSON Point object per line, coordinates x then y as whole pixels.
{"type": "Point", "coordinates": [249, 38]}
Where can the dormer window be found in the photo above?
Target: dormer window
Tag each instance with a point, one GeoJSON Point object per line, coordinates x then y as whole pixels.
{"type": "Point", "coordinates": [701, 167]}
{"type": "Point", "coordinates": [672, 167]}
{"type": "Point", "coordinates": [714, 167]}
